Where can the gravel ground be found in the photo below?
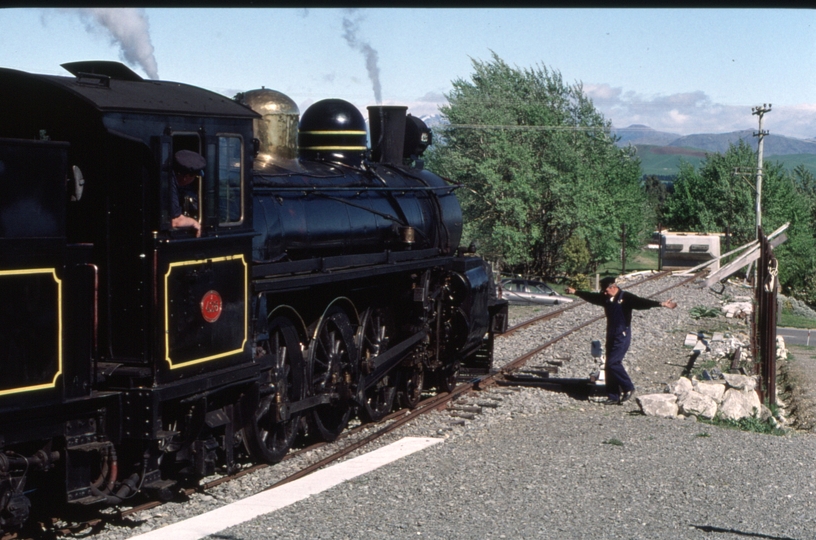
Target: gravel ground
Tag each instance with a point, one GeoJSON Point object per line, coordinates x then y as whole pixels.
{"type": "Point", "coordinates": [542, 464]}
{"type": "Point", "coordinates": [556, 475]}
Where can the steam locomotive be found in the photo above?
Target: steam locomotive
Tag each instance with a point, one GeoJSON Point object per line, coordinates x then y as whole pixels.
{"type": "Point", "coordinates": [327, 281]}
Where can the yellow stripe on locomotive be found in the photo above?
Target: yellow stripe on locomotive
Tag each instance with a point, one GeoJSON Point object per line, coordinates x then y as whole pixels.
{"type": "Point", "coordinates": [205, 310]}
{"type": "Point", "coordinates": [32, 350]}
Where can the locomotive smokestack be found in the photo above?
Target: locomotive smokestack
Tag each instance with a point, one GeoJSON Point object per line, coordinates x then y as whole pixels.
{"type": "Point", "coordinates": [387, 126]}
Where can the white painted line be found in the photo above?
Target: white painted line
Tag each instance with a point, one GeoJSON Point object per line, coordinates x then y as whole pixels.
{"type": "Point", "coordinates": [274, 499]}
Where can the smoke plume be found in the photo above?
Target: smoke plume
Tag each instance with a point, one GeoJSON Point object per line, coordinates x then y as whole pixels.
{"type": "Point", "coordinates": [351, 22]}
{"type": "Point", "coordinates": [128, 28]}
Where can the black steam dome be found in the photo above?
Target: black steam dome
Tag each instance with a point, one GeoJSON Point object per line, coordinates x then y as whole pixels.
{"type": "Point", "coordinates": [332, 130]}
{"type": "Point", "coordinates": [418, 137]}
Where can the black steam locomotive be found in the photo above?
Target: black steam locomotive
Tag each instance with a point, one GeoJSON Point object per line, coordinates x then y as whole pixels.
{"type": "Point", "coordinates": [327, 281]}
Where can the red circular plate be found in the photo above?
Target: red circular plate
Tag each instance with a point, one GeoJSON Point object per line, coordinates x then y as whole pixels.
{"type": "Point", "coordinates": [211, 306]}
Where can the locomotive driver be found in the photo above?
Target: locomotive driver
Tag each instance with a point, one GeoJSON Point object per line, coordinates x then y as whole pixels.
{"type": "Point", "coordinates": [618, 306]}
{"type": "Point", "coordinates": [186, 166]}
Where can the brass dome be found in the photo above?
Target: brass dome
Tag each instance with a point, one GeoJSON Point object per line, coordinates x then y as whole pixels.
{"type": "Point", "coordinates": [277, 129]}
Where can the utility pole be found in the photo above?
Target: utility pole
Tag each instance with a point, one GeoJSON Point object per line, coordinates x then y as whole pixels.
{"type": "Point", "coordinates": [759, 111]}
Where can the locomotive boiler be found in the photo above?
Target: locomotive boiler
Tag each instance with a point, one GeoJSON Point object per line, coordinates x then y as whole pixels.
{"type": "Point", "coordinates": [327, 281]}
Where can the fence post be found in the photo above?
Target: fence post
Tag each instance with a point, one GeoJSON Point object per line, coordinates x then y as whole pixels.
{"type": "Point", "coordinates": [765, 325]}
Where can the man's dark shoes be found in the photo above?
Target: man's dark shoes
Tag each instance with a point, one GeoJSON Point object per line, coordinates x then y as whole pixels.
{"type": "Point", "coordinates": [627, 396]}
{"type": "Point", "coordinates": [611, 401]}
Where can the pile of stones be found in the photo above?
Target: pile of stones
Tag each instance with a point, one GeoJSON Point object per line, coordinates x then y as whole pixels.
{"type": "Point", "coordinates": [731, 396]}
{"type": "Point", "coordinates": [734, 397]}
{"type": "Point", "coordinates": [719, 346]}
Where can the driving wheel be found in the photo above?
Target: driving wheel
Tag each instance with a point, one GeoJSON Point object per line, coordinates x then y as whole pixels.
{"type": "Point", "coordinates": [273, 431]}
{"type": "Point", "coordinates": [334, 370]}
{"type": "Point", "coordinates": [410, 388]}
{"type": "Point", "coordinates": [447, 378]}
{"type": "Point", "coordinates": [373, 339]}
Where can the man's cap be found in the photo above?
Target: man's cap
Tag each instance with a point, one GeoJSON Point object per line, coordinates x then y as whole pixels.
{"type": "Point", "coordinates": [189, 161]}
{"type": "Point", "coordinates": [606, 282]}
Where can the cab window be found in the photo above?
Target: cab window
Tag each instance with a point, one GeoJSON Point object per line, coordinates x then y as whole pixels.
{"type": "Point", "coordinates": [230, 188]}
{"type": "Point", "coordinates": [190, 197]}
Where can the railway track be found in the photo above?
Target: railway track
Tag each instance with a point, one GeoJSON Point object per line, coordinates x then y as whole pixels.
{"type": "Point", "coordinates": [385, 426]}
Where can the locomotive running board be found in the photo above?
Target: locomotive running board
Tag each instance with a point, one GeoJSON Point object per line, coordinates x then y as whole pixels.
{"type": "Point", "coordinates": [279, 276]}
{"type": "Point", "coordinates": [324, 264]}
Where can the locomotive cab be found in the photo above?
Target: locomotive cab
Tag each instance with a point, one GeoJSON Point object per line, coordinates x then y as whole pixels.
{"type": "Point", "coordinates": [154, 279]}
{"type": "Point", "coordinates": [172, 317]}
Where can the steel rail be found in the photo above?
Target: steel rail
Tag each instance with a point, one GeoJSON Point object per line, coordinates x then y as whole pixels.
{"type": "Point", "coordinates": [551, 315]}
{"type": "Point", "coordinates": [437, 402]}
{"type": "Point", "coordinates": [513, 364]}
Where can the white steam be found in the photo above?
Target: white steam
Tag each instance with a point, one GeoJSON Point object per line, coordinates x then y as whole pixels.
{"type": "Point", "coordinates": [128, 28]}
{"type": "Point", "coordinates": [350, 29]}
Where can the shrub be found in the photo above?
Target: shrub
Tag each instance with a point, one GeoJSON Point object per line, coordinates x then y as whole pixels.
{"type": "Point", "coordinates": [699, 312]}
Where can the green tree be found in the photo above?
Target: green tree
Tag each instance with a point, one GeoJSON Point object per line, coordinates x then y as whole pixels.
{"type": "Point", "coordinates": [538, 165]}
{"type": "Point", "coordinates": [805, 184]}
{"type": "Point", "coordinates": [717, 197]}
{"type": "Point", "coordinates": [656, 195]}
{"type": "Point", "coordinates": [783, 201]}
{"type": "Point", "coordinates": [721, 194]}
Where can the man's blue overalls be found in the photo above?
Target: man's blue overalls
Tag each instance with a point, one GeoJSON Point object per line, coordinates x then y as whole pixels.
{"type": "Point", "coordinates": [618, 312]}
{"type": "Point", "coordinates": [618, 338]}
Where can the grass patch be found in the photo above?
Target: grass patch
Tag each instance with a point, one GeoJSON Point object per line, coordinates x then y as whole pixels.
{"type": "Point", "coordinates": [703, 434]}
{"type": "Point", "coordinates": [698, 312]}
{"type": "Point", "coordinates": [644, 259]}
{"type": "Point", "coordinates": [752, 424]}
{"type": "Point", "coordinates": [707, 364]}
{"type": "Point", "coordinates": [711, 366]}
{"type": "Point", "coordinates": [613, 442]}
{"type": "Point", "coordinates": [786, 318]}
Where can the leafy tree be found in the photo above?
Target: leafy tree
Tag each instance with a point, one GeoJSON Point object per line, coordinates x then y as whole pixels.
{"type": "Point", "coordinates": [716, 197]}
{"type": "Point", "coordinates": [656, 195]}
{"type": "Point", "coordinates": [805, 184]}
{"type": "Point", "coordinates": [539, 167]}
{"type": "Point", "coordinates": [721, 194]}
{"type": "Point", "coordinates": [576, 261]}
{"type": "Point", "coordinates": [576, 255]}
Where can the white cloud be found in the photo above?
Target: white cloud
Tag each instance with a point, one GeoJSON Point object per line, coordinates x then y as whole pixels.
{"type": "Point", "coordinates": [683, 113]}
{"type": "Point", "coordinates": [602, 93]}
{"type": "Point", "coordinates": [433, 97]}
{"type": "Point", "coordinates": [678, 117]}
{"type": "Point", "coordinates": [695, 112]}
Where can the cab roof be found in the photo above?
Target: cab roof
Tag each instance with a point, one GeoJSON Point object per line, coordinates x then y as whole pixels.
{"type": "Point", "coordinates": [113, 87]}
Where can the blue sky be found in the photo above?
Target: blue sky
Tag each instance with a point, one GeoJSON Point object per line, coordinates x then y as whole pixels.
{"type": "Point", "coordinates": [679, 70]}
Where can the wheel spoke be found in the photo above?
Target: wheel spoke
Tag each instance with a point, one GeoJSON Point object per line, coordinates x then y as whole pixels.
{"type": "Point", "coordinates": [374, 338]}
{"type": "Point", "coordinates": [269, 438]}
{"type": "Point", "coordinates": [334, 362]}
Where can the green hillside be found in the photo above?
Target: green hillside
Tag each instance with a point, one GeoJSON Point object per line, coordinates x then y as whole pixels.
{"type": "Point", "coordinates": [792, 161]}
{"type": "Point", "coordinates": [665, 160]}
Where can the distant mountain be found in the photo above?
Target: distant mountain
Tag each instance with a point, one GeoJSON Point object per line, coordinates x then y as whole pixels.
{"type": "Point", "coordinates": [639, 134]}
{"type": "Point", "coordinates": [775, 145]}
{"type": "Point", "coordinates": [433, 120]}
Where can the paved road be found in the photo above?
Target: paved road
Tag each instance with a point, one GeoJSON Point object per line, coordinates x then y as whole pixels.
{"type": "Point", "coordinates": [797, 336]}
